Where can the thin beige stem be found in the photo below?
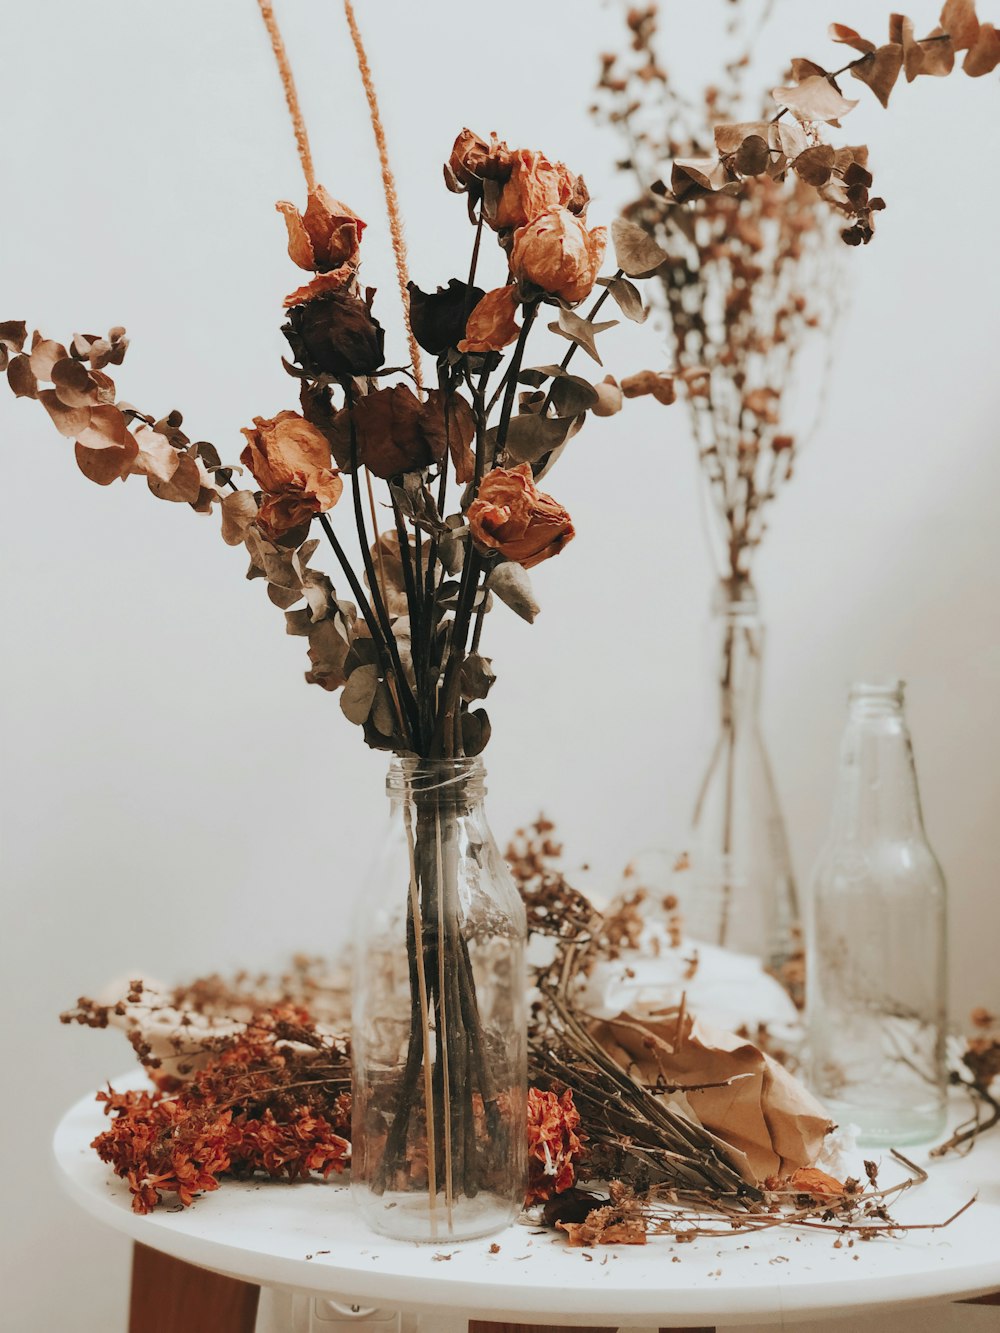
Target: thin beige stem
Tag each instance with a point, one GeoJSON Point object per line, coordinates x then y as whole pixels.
{"type": "Point", "coordinates": [442, 1044]}
{"type": "Point", "coordinates": [291, 95]}
{"type": "Point", "coordinates": [418, 944]}
{"type": "Point", "coordinates": [388, 183]}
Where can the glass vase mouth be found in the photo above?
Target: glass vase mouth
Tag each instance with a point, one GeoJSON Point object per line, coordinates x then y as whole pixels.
{"type": "Point", "coordinates": [410, 774]}
{"type": "Point", "coordinates": [877, 698]}
{"type": "Point", "coordinates": [736, 598]}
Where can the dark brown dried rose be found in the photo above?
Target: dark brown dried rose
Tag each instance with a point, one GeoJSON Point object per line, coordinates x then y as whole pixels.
{"type": "Point", "coordinates": [438, 318]}
{"type": "Point", "coordinates": [394, 432]}
{"type": "Point", "coordinates": [473, 161]}
{"type": "Point", "coordinates": [335, 334]}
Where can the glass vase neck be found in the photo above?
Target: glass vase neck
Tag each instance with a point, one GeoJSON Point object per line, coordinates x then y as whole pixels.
{"type": "Point", "coordinates": [877, 795]}
{"type": "Point", "coordinates": [463, 780]}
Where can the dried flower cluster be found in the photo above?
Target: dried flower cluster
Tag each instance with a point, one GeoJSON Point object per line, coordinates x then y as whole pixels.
{"type": "Point", "coordinates": [976, 1070]}
{"type": "Point", "coordinates": [746, 281]}
{"type": "Point", "coordinates": [271, 1099]}
{"type": "Point", "coordinates": [814, 98]}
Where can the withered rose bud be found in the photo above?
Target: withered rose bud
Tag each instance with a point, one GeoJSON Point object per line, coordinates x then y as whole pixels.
{"type": "Point", "coordinates": [512, 516]}
{"type": "Point", "coordinates": [336, 280]}
{"type": "Point", "coordinates": [290, 460]}
{"type": "Point", "coordinates": [473, 161]}
{"type": "Point", "coordinates": [335, 334]}
{"type": "Point", "coordinates": [438, 318]}
{"type": "Point", "coordinates": [559, 254]}
{"type": "Point", "coordinates": [491, 325]}
{"type": "Point", "coordinates": [325, 236]}
{"type": "Point", "coordinates": [535, 186]}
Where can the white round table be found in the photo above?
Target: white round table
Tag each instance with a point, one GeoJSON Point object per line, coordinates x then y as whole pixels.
{"type": "Point", "coordinates": [308, 1238]}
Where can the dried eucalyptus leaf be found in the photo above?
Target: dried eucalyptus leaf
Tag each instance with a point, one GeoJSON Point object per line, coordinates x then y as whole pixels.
{"type": "Point", "coordinates": [477, 676]}
{"type": "Point", "coordinates": [840, 32]}
{"type": "Point", "coordinates": [44, 355]}
{"type": "Point", "coordinates": [815, 164]}
{"type": "Point", "coordinates": [531, 437]}
{"type": "Point", "coordinates": [183, 487]}
{"type": "Point", "coordinates": [298, 622]}
{"type": "Point", "coordinates": [636, 252]}
{"type": "Point", "coordinates": [729, 137]}
{"type": "Point", "coordinates": [753, 156]}
{"type": "Point", "coordinates": [451, 550]}
{"type": "Point", "coordinates": [13, 333]}
{"type": "Point", "coordinates": [881, 70]}
{"type": "Point", "coordinates": [21, 378]}
{"type": "Point", "coordinates": [284, 597]}
{"type": "Point", "coordinates": [239, 509]}
{"type": "Point", "coordinates": [68, 421]}
{"type": "Point", "coordinates": [359, 694]}
{"type": "Point", "coordinates": [383, 715]}
{"type": "Point", "coordinates": [581, 331]}
{"type": "Point", "coordinates": [476, 731]}
{"type": "Point", "coordinates": [510, 582]}
{"type": "Point", "coordinates": [572, 394]}
{"type": "Point", "coordinates": [815, 98]}
{"type": "Point", "coordinates": [626, 296]}
{"type": "Point", "coordinates": [416, 502]}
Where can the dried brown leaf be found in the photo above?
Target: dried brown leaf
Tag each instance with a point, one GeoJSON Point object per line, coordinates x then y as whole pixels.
{"type": "Point", "coordinates": [840, 32]}
{"type": "Point", "coordinates": [106, 449]}
{"type": "Point", "coordinates": [729, 137]}
{"type": "Point", "coordinates": [626, 296]}
{"type": "Point", "coordinates": [239, 509]}
{"type": "Point", "coordinates": [983, 56]}
{"type": "Point", "coordinates": [636, 252]}
{"type": "Point", "coordinates": [20, 377]}
{"type": "Point", "coordinates": [958, 19]}
{"type": "Point", "coordinates": [359, 693]}
{"type": "Point", "coordinates": [815, 98]}
{"type": "Point", "coordinates": [68, 421]}
{"type": "Point", "coordinates": [44, 354]}
{"type": "Point", "coordinates": [753, 156]}
{"type": "Point", "coordinates": [815, 164]}
{"type": "Point", "coordinates": [609, 397]}
{"type": "Point", "coordinates": [13, 333]}
{"type": "Point", "coordinates": [881, 71]}
{"type": "Point", "coordinates": [582, 331]}
{"type": "Point", "coordinates": [512, 584]}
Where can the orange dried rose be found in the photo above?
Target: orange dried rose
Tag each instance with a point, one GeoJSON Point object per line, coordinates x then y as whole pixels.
{"type": "Point", "coordinates": [535, 186]}
{"type": "Point", "coordinates": [473, 160]}
{"type": "Point", "coordinates": [490, 326]}
{"type": "Point", "coordinates": [512, 516]}
{"type": "Point", "coordinates": [290, 459]}
{"type": "Point", "coordinates": [325, 236]}
{"type": "Point", "coordinates": [322, 283]}
{"type": "Point", "coordinates": [559, 254]}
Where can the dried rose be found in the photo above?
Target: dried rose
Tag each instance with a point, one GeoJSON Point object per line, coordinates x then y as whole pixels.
{"type": "Point", "coordinates": [537, 185]}
{"type": "Point", "coordinates": [325, 236]}
{"type": "Point", "coordinates": [335, 334]}
{"type": "Point", "coordinates": [322, 283]}
{"type": "Point", "coordinates": [811, 1180]}
{"type": "Point", "coordinates": [512, 516]}
{"type": "Point", "coordinates": [290, 460]}
{"type": "Point", "coordinates": [473, 161]}
{"type": "Point", "coordinates": [394, 432]}
{"type": "Point", "coordinates": [559, 254]}
{"type": "Point", "coordinates": [438, 318]}
{"type": "Point", "coordinates": [491, 325]}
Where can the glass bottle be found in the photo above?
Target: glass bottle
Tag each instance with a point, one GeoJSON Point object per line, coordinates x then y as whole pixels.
{"type": "Point", "coordinates": [742, 894]}
{"type": "Point", "coordinates": [876, 962]}
{"type": "Point", "coordinates": [439, 1017]}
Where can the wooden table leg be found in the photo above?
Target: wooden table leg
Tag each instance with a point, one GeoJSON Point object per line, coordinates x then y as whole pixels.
{"type": "Point", "coordinates": [169, 1296]}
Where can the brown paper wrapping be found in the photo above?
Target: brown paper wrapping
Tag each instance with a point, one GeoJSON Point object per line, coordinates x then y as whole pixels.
{"type": "Point", "coordinates": [767, 1116]}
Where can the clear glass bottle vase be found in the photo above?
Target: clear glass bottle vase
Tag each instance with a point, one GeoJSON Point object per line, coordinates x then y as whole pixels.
{"type": "Point", "coordinates": [439, 1017]}
{"type": "Point", "coordinates": [876, 959]}
{"type": "Point", "coordinates": [742, 893]}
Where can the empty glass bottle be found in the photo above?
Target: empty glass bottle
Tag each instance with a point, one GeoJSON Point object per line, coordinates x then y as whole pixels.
{"type": "Point", "coordinates": [742, 894]}
{"type": "Point", "coordinates": [439, 1016]}
{"type": "Point", "coordinates": [876, 961]}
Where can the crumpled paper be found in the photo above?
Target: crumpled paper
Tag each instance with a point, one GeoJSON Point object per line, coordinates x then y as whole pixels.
{"type": "Point", "coordinates": [772, 1123]}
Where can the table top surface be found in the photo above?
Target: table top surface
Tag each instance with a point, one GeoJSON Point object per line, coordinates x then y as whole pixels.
{"type": "Point", "coordinates": [309, 1237]}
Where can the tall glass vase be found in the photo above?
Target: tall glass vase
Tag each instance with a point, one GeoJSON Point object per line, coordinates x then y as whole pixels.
{"type": "Point", "coordinates": [743, 893]}
{"type": "Point", "coordinates": [439, 1016]}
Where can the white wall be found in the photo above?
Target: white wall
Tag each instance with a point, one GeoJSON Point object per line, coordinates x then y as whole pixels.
{"type": "Point", "coordinates": [175, 798]}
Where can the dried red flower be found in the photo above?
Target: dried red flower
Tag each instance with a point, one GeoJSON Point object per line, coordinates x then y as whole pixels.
{"type": "Point", "coordinates": [554, 1144]}
{"type": "Point", "coordinates": [325, 236]}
